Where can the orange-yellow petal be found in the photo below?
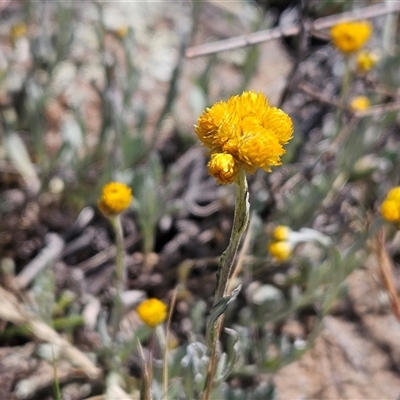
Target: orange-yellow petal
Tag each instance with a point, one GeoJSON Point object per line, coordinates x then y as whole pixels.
{"type": "Point", "coordinates": [248, 104]}
{"type": "Point", "coordinates": [209, 122]}
{"type": "Point", "coordinates": [259, 148]}
{"type": "Point", "coordinates": [277, 121]}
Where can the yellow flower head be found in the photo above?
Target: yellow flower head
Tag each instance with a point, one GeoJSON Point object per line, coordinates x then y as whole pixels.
{"type": "Point", "coordinates": [122, 31]}
{"type": "Point", "coordinates": [281, 250]}
{"type": "Point", "coordinates": [115, 198]}
{"type": "Point", "coordinates": [247, 128]}
{"type": "Point", "coordinates": [366, 60]}
{"type": "Point", "coordinates": [394, 194]}
{"type": "Point", "coordinates": [281, 232]}
{"type": "Point", "coordinates": [17, 30]}
{"type": "Point", "coordinates": [360, 103]}
{"type": "Point", "coordinates": [152, 312]}
{"type": "Point", "coordinates": [390, 208]}
{"type": "Point", "coordinates": [223, 167]}
{"type": "Point", "coordinates": [390, 211]}
{"type": "Point", "coordinates": [348, 37]}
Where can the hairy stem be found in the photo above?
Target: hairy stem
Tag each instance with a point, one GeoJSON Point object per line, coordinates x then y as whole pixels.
{"type": "Point", "coordinates": [344, 92]}
{"type": "Point", "coordinates": [240, 221]}
{"type": "Point", "coordinates": [116, 315]}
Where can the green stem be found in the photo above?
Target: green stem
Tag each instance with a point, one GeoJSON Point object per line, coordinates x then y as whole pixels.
{"type": "Point", "coordinates": [162, 343]}
{"type": "Point", "coordinates": [240, 221]}
{"type": "Point", "coordinates": [344, 92]}
{"type": "Point", "coordinates": [116, 315]}
{"type": "Point", "coordinates": [56, 383]}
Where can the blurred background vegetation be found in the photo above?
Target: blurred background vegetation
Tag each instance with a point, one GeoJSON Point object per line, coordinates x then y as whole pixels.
{"type": "Point", "coordinates": [98, 91]}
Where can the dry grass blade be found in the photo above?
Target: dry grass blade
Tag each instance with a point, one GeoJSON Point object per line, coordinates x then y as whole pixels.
{"type": "Point", "coordinates": [166, 344]}
{"type": "Point", "coordinates": [114, 389]}
{"type": "Point", "coordinates": [146, 375]}
{"type": "Point", "coordinates": [48, 255]}
{"type": "Point", "coordinates": [105, 255]}
{"type": "Point", "coordinates": [386, 268]}
{"type": "Point", "coordinates": [12, 311]}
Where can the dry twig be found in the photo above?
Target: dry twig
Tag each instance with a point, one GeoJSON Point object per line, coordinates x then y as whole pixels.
{"type": "Point", "coordinates": [48, 255]}
{"type": "Point", "coordinates": [379, 109]}
{"type": "Point", "coordinates": [275, 33]}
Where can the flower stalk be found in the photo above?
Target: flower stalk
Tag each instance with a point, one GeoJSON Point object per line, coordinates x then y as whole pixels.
{"type": "Point", "coordinates": [243, 134]}
{"type": "Point", "coordinates": [116, 198]}
{"type": "Point", "coordinates": [240, 222]}
{"type": "Point", "coordinates": [344, 91]}
{"type": "Point", "coordinates": [116, 315]}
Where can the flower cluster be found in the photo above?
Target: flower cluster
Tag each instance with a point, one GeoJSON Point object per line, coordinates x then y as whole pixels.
{"type": "Point", "coordinates": [152, 312]}
{"type": "Point", "coordinates": [390, 208]}
{"type": "Point", "coordinates": [284, 240]}
{"type": "Point", "coordinates": [244, 131]}
{"type": "Point", "coordinates": [115, 198]}
{"type": "Point", "coordinates": [280, 247]}
{"type": "Point", "coordinates": [349, 37]}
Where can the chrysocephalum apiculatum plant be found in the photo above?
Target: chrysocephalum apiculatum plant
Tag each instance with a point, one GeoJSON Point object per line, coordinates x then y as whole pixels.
{"type": "Point", "coordinates": [242, 134]}
{"type": "Point", "coordinates": [116, 198]}
{"type": "Point", "coordinates": [349, 38]}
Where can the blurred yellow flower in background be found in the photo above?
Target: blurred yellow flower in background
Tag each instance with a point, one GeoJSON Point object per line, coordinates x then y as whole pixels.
{"type": "Point", "coordinates": [366, 60]}
{"type": "Point", "coordinates": [17, 30]}
{"type": "Point", "coordinates": [390, 208]}
{"type": "Point", "coordinates": [152, 312]}
{"type": "Point", "coordinates": [360, 103]}
{"type": "Point", "coordinates": [247, 128]}
{"type": "Point", "coordinates": [122, 31]}
{"type": "Point", "coordinates": [349, 37]}
{"type": "Point", "coordinates": [115, 198]}
{"type": "Point", "coordinates": [281, 250]}
{"type": "Point", "coordinates": [281, 232]}
{"type": "Point", "coordinates": [284, 240]}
